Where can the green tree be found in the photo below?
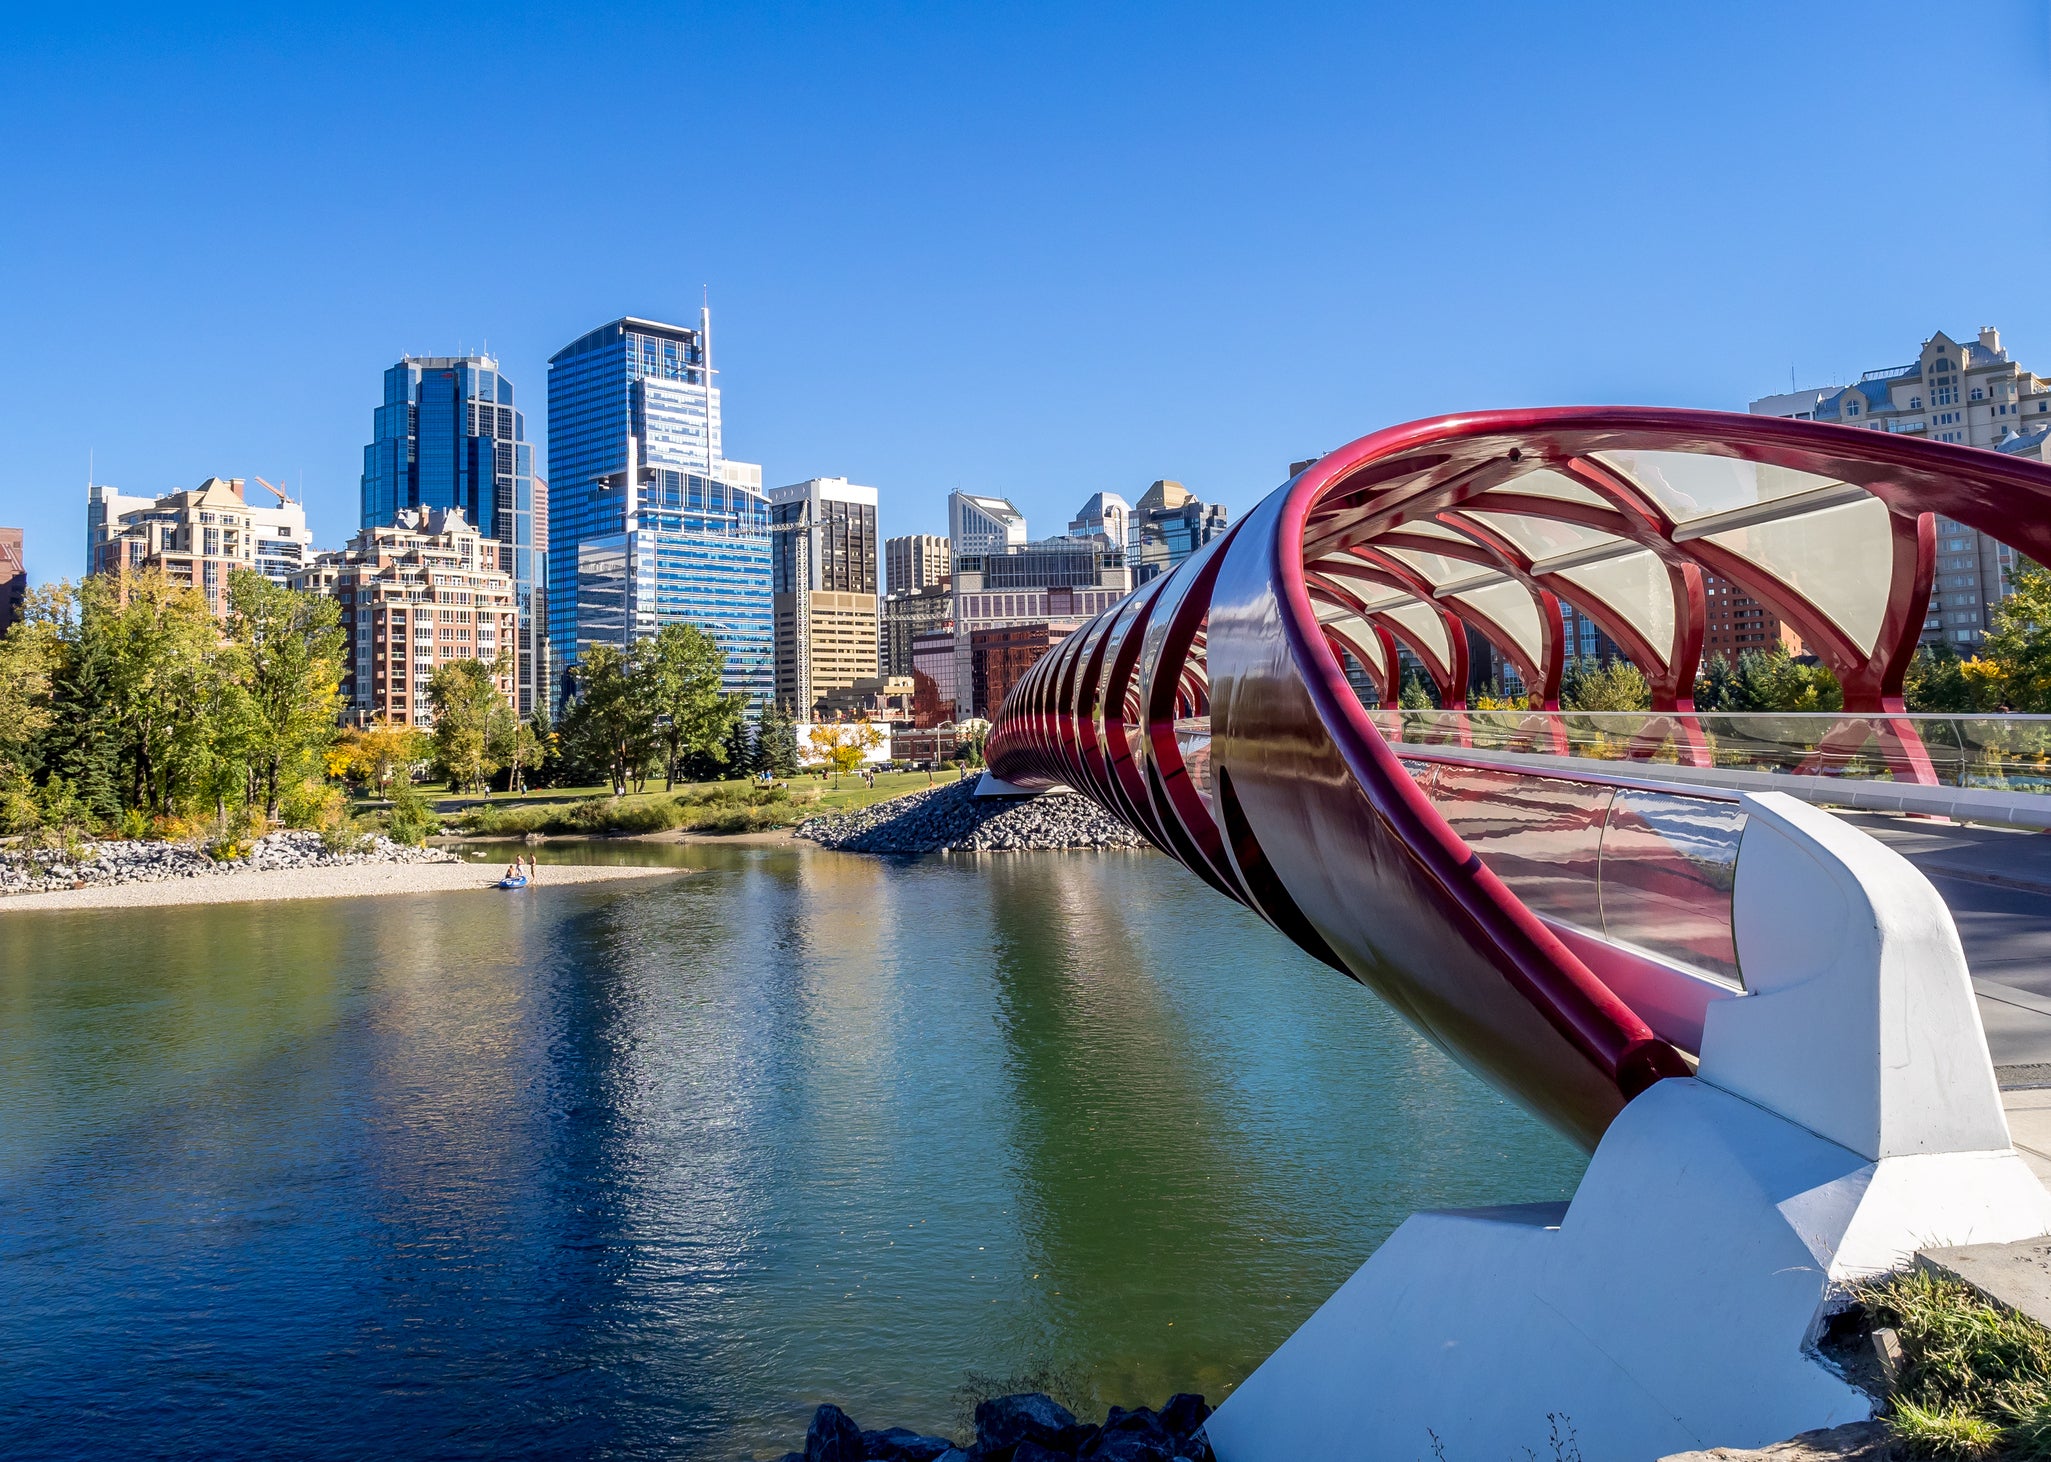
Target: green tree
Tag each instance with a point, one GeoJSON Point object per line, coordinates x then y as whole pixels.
{"type": "Point", "coordinates": [607, 725]}
{"type": "Point", "coordinates": [291, 666]}
{"type": "Point", "coordinates": [776, 743]}
{"type": "Point", "coordinates": [1415, 694]}
{"type": "Point", "coordinates": [1937, 680]}
{"type": "Point", "coordinates": [1617, 686]}
{"type": "Point", "coordinates": [740, 756]}
{"type": "Point", "coordinates": [1714, 684]}
{"type": "Point", "coordinates": [375, 754]}
{"type": "Point", "coordinates": [677, 678]}
{"type": "Point", "coordinates": [1773, 680]}
{"type": "Point", "coordinates": [2019, 643]}
{"type": "Point", "coordinates": [31, 653]}
{"type": "Point", "coordinates": [847, 745]}
{"type": "Point", "coordinates": [474, 724]}
{"type": "Point", "coordinates": [165, 662]}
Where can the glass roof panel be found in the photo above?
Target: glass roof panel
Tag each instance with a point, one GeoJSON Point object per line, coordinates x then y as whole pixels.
{"type": "Point", "coordinates": [1423, 621]}
{"type": "Point", "coordinates": [1510, 605]}
{"type": "Point", "coordinates": [1360, 638]}
{"type": "Point", "coordinates": [1637, 588]}
{"type": "Point", "coordinates": [1544, 538]}
{"type": "Point", "coordinates": [1425, 528]}
{"type": "Point", "coordinates": [1438, 571]}
{"type": "Point", "coordinates": [1691, 485]}
{"type": "Point", "coordinates": [1544, 482]}
{"type": "Point", "coordinates": [1832, 557]}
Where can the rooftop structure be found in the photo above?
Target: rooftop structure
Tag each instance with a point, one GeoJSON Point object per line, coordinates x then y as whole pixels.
{"type": "Point", "coordinates": [197, 536]}
{"type": "Point", "coordinates": [978, 525]}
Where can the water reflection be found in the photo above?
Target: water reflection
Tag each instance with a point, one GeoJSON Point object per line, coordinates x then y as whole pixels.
{"type": "Point", "coordinates": [652, 1171]}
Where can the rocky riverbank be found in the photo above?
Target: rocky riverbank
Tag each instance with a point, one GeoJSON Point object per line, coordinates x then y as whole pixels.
{"type": "Point", "coordinates": [1027, 1428]}
{"type": "Point", "coordinates": [952, 818]}
{"type": "Point", "coordinates": [113, 862]}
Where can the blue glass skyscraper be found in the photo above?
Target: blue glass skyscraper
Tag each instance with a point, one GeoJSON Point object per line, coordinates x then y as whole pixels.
{"type": "Point", "coordinates": [649, 523]}
{"type": "Point", "coordinates": [448, 436]}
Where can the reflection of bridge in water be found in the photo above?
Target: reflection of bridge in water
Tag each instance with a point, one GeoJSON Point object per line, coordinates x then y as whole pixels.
{"type": "Point", "coordinates": [1561, 900]}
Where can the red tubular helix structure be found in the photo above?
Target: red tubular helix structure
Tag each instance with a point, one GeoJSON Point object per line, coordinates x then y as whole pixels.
{"type": "Point", "coordinates": [1211, 709]}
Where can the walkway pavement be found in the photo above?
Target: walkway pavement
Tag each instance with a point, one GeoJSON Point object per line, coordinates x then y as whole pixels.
{"type": "Point", "coordinates": [1998, 885]}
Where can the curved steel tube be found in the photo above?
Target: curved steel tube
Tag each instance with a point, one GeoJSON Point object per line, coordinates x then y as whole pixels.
{"type": "Point", "coordinates": [1302, 810]}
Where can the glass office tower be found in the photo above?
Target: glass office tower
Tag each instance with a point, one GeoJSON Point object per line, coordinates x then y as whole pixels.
{"type": "Point", "coordinates": [649, 523]}
{"type": "Point", "coordinates": [448, 436]}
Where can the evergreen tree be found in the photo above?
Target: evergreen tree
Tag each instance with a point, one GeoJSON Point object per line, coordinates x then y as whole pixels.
{"type": "Point", "coordinates": [776, 743]}
{"type": "Point", "coordinates": [1713, 685]}
{"type": "Point", "coordinates": [740, 747]}
{"type": "Point", "coordinates": [79, 745]}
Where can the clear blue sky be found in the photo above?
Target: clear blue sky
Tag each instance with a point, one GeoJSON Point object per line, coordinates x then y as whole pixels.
{"type": "Point", "coordinates": [1033, 250]}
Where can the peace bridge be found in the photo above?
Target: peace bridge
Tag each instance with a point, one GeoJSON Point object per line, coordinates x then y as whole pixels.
{"type": "Point", "coordinates": [1760, 1015]}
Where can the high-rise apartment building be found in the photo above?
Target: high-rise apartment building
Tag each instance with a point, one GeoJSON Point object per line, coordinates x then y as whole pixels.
{"type": "Point", "coordinates": [448, 435]}
{"type": "Point", "coordinates": [1966, 392]}
{"type": "Point", "coordinates": [1169, 523]}
{"type": "Point", "coordinates": [13, 577]}
{"type": "Point", "coordinates": [916, 561]}
{"type": "Point", "coordinates": [197, 537]}
{"type": "Point", "coordinates": [424, 591]}
{"type": "Point", "coordinates": [650, 524]}
{"type": "Point", "coordinates": [824, 588]}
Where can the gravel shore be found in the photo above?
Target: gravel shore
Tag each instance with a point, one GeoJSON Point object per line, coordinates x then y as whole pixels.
{"type": "Point", "coordinates": [354, 881]}
{"type": "Point", "coordinates": [952, 818]}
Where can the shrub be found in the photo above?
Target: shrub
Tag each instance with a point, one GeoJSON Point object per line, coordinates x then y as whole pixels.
{"type": "Point", "coordinates": [313, 803]}
{"type": "Point", "coordinates": [410, 820]}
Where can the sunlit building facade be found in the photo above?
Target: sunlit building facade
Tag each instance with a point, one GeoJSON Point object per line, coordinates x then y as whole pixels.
{"type": "Point", "coordinates": [650, 524]}
{"type": "Point", "coordinates": [448, 435]}
{"type": "Point", "coordinates": [425, 591]}
{"type": "Point", "coordinates": [197, 537]}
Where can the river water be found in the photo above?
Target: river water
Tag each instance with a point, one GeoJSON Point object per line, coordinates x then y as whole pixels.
{"type": "Point", "coordinates": [654, 1171]}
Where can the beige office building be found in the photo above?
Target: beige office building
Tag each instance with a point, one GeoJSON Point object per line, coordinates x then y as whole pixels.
{"type": "Point", "coordinates": [823, 589]}
{"type": "Point", "coordinates": [916, 561]}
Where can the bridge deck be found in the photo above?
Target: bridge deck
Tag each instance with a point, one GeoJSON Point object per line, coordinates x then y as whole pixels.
{"type": "Point", "coordinates": [1997, 883]}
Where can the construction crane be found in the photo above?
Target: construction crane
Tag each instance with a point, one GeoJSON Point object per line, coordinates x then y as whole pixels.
{"type": "Point", "coordinates": [284, 498]}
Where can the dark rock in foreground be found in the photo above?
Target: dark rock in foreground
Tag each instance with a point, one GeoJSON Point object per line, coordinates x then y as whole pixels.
{"type": "Point", "coordinates": [952, 818]}
{"type": "Point", "coordinates": [1030, 1427]}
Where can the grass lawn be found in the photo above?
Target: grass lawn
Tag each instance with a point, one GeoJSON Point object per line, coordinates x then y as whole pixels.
{"type": "Point", "coordinates": [710, 807]}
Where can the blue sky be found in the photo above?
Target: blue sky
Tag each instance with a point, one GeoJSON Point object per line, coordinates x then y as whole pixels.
{"type": "Point", "coordinates": [1034, 250]}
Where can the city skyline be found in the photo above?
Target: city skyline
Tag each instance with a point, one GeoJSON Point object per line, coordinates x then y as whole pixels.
{"type": "Point", "coordinates": [1136, 247]}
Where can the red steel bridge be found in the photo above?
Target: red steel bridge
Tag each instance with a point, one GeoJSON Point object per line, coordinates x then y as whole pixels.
{"type": "Point", "coordinates": [1559, 925]}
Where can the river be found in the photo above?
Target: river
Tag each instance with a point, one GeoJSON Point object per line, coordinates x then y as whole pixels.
{"type": "Point", "coordinates": [653, 1171]}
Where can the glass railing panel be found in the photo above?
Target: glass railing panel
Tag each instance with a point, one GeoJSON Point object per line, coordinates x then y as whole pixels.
{"type": "Point", "coordinates": [2008, 753]}
{"type": "Point", "coordinates": [1540, 835]}
{"type": "Point", "coordinates": [1669, 865]}
{"type": "Point", "coordinates": [2005, 753]}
